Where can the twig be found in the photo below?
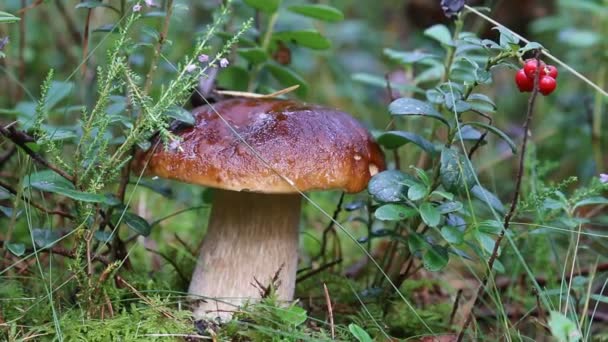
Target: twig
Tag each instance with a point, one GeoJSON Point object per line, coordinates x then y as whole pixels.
{"type": "Point", "coordinates": [455, 306]}
{"type": "Point", "coordinates": [329, 229]}
{"type": "Point", "coordinates": [165, 313]}
{"type": "Point", "coordinates": [318, 270]}
{"type": "Point", "coordinates": [184, 244]}
{"type": "Point", "coordinates": [482, 137]}
{"type": "Point", "coordinates": [7, 155]}
{"type": "Point", "coordinates": [20, 138]}
{"type": "Point", "coordinates": [159, 45]}
{"type": "Point", "coordinates": [329, 312]}
{"type": "Point", "coordinates": [511, 212]}
{"type": "Point", "coordinates": [85, 41]}
{"type": "Point", "coordinates": [69, 21]}
{"type": "Point", "coordinates": [172, 262]}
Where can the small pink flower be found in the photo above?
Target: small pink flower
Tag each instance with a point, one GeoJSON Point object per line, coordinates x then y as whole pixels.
{"type": "Point", "coordinates": [224, 62]}
{"type": "Point", "coordinates": [151, 3]}
{"type": "Point", "coordinates": [190, 67]}
{"type": "Point", "coordinates": [203, 58]}
{"type": "Point", "coordinates": [604, 178]}
{"type": "Point", "coordinates": [136, 8]}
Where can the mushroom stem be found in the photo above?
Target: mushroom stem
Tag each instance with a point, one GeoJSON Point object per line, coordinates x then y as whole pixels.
{"type": "Point", "coordinates": [251, 236]}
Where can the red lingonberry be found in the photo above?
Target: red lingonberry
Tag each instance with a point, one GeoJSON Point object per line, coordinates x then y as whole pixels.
{"type": "Point", "coordinates": [550, 70]}
{"type": "Point", "coordinates": [546, 85]}
{"type": "Point", "coordinates": [524, 83]}
{"type": "Point", "coordinates": [530, 67]}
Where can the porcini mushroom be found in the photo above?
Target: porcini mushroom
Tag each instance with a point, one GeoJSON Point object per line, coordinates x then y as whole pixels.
{"type": "Point", "coordinates": [252, 233]}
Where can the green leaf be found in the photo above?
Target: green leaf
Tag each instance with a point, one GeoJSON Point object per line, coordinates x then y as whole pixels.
{"type": "Point", "coordinates": [253, 55]}
{"type": "Point", "coordinates": [591, 201]}
{"type": "Point", "coordinates": [506, 37]}
{"type": "Point", "coordinates": [234, 78]}
{"type": "Point", "coordinates": [394, 212]}
{"type": "Point", "coordinates": [268, 6]}
{"type": "Point", "coordinates": [380, 82]}
{"type": "Point", "coordinates": [530, 46]}
{"type": "Point", "coordinates": [454, 171]}
{"type": "Point", "coordinates": [416, 243]}
{"type": "Point", "coordinates": [492, 227]}
{"type": "Point", "coordinates": [358, 332]}
{"type": "Point", "coordinates": [388, 186]}
{"type": "Point", "coordinates": [293, 316]}
{"type": "Point", "coordinates": [135, 222]}
{"type": "Point", "coordinates": [180, 114]}
{"type": "Point", "coordinates": [395, 139]}
{"type": "Point", "coordinates": [321, 12]}
{"type": "Point", "coordinates": [486, 241]}
{"type": "Point", "coordinates": [49, 181]}
{"type": "Point", "coordinates": [495, 131]}
{"type": "Point", "coordinates": [409, 106]}
{"type": "Point", "coordinates": [307, 38]}
{"type": "Point", "coordinates": [579, 38]}
{"type": "Point", "coordinates": [452, 235]}
{"type": "Point", "coordinates": [449, 207]}
{"type": "Point", "coordinates": [435, 258]}
{"type": "Point", "coordinates": [417, 192]}
{"type": "Point", "coordinates": [44, 238]}
{"type": "Point", "coordinates": [288, 78]}
{"type": "Point", "coordinates": [18, 249]}
{"type": "Point", "coordinates": [103, 236]}
{"type": "Point", "coordinates": [562, 328]}
{"type": "Point", "coordinates": [487, 197]}
{"type": "Point", "coordinates": [57, 92]}
{"type": "Point", "coordinates": [89, 4]}
{"type": "Point", "coordinates": [440, 33]}
{"type": "Point", "coordinates": [408, 57]}
{"type": "Point", "coordinates": [430, 215]}
{"type": "Point", "coordinates": [6, 18]}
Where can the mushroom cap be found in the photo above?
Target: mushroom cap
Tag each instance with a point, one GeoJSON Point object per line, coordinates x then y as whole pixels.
{"type": "Point", "coordinates": [316, 148]}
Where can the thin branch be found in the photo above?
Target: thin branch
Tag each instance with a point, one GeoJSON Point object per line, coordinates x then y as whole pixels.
{"type": "Point", "coordinates": [329, 312]}
{"type": "Point", "coordinates": [20, 139]}
{"type": "Point", "coordinates": [318, 270]}
{"type": "Point", "coordinates": [172, 262]}
{"type": "Point", "coordinates": [69, 22]}
{"type": "Point", "coordinates": [455, 306]}
{"type": "Point", "coordinates": [330, 228]}
{"type": "Point", "coordinates": [85, 41]}
{"type": "Point", "coordinates": [511, 212]}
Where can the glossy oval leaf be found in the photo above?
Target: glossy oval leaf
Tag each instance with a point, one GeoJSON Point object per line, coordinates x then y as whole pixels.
{"type": "Point", "coordinates": [321, 12]}
{"type": "Point", "coordinates": [268, 6]}
{"type": "Point", "coordinates": [396, 139]}
{"type": "Point", "coordinates": [394, 212]}
{"type": "Point", "coordinates": [288, 78]}
{"type": "Point", "coordinates": [137, 223]}
{"type": "Point", "coordinates": [253, 55]}
{"type": "Point", "coordinates": [307, 38]}
{"type": "Point", "coordinates": [502, 135]}
{"type": "Point", "coordinates": [44, 238]}
{"type": "Point", "coordinates": [49, 181]}
{"type": "Point", "coordinates": [180, 114]}
{"type": "Point", "coordinates": [435, 258]}
{"type": "Point", "coordinates": [409, 106]}
{"type": "Point", "coordinates": [18, 249]}
{"type": "Point", "coordinates": [389, 186]}
{"type": "Point", "coordinates": [487, 197]}
{"type": "Point", "coordinates": [440, 33]}
{"type": "Point", "coordinates": [430, 215]}
{"type": "Point", "coordinates": [455, 172]}
{"type": "Point", "coordinates": [452, 235]}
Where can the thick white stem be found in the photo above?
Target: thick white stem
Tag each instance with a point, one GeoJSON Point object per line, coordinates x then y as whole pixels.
{"type": "Point", "coordinates": [250, 236]}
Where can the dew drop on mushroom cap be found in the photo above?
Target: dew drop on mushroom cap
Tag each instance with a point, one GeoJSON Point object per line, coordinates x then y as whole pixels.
{"type": "Point", "coordinates": [253, 227]}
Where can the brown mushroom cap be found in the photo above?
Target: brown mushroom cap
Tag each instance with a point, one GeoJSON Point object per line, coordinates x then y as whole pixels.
{"type": "Point", "coordinates": [314, 147]}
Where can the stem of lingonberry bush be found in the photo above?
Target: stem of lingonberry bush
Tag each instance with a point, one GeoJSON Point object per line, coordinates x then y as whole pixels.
{"type": "Point", "coordinates": [511, 212]}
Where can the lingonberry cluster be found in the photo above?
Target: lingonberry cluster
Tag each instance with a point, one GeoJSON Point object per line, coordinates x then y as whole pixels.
{"type": "Point", "coordinates": [547, 75]}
